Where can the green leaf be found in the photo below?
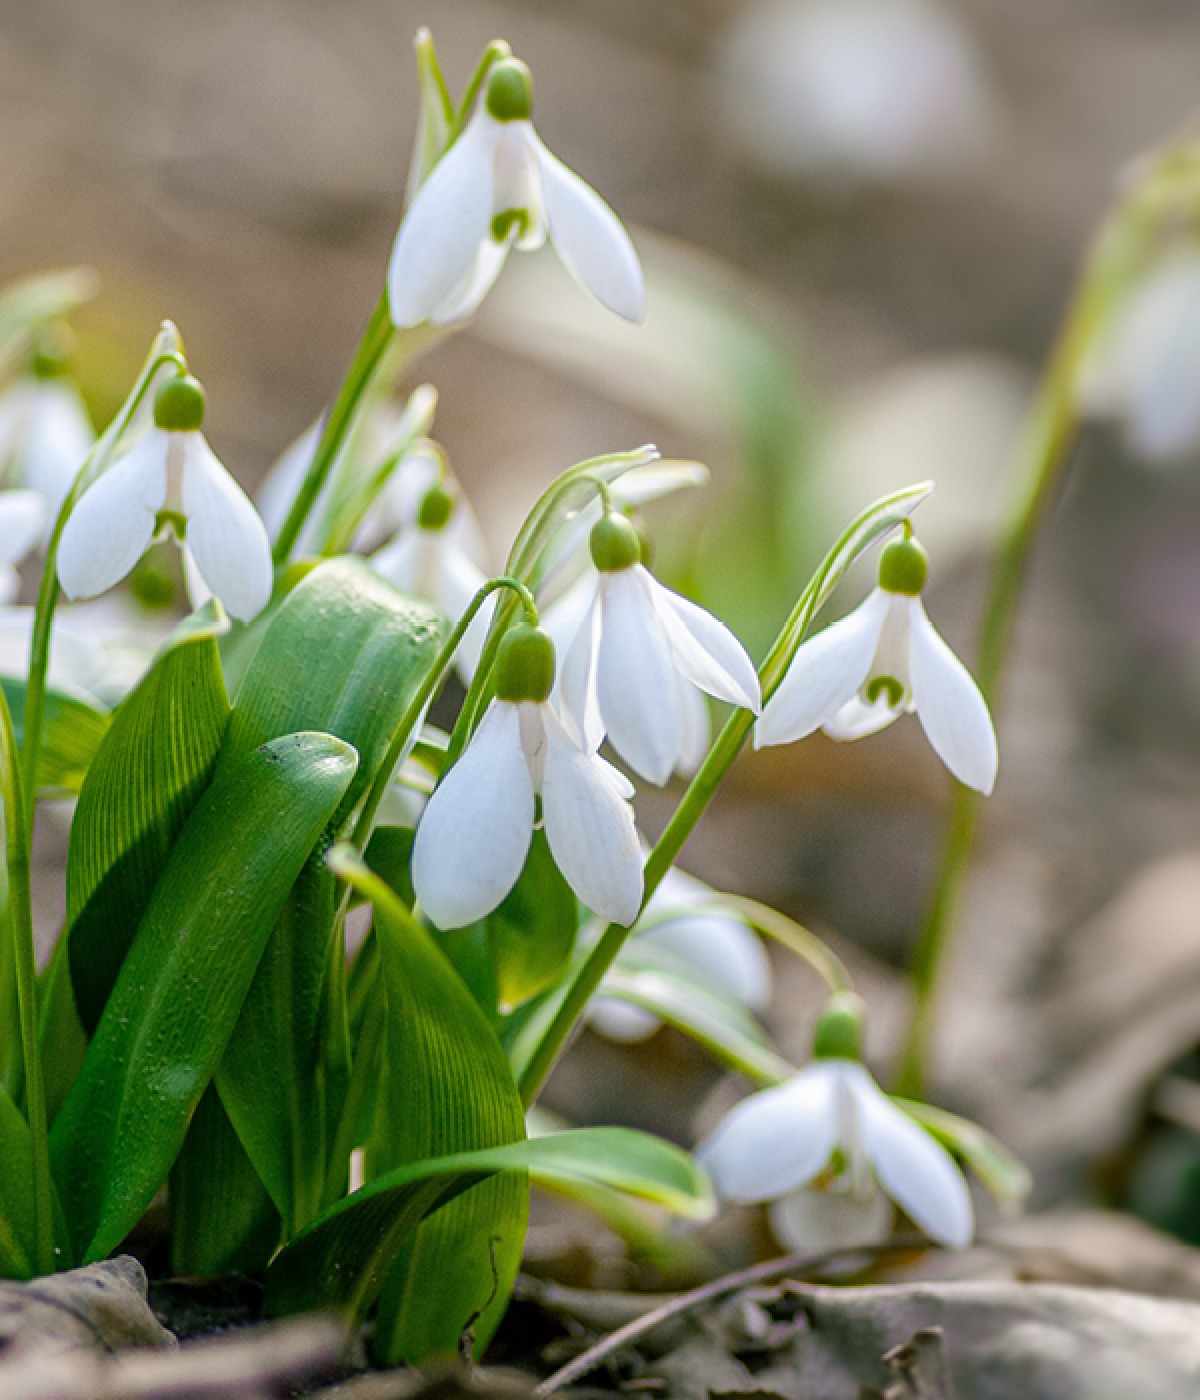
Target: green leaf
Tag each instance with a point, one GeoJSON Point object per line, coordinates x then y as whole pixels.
{"type": "Point", "coordinates": [532, 932]}
{"type": "Point", "coordinates": [73, 731]}
{"type": "Point", "coordinates": [340, 1258]}
{"type": "Point", "coordinates": [156, 759]}
{"type": "Point", "coordinates": [183, 981]}
{"type": "Point", "coordinates": [344, 654]}
{"type": "Point", "coordinates": [1003, 1174]}
{"type": "Point", "coordinates": [18, 1242]}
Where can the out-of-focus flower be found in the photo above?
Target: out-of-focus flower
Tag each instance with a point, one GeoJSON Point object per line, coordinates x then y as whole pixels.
{"type": "Point", "coordinates": [850, 91]}
{"type": "Point", "coordinates": [476, 830]}
{"type": "Point", "coordinates": [23, 519]}
{"type": "Point", "coordinates": [881, 661]}
{"type": "Point", "coordinates": [172, 480]}
{"type": "Point", "coordinates": [495, 188]}
{"type": "Point", "coordinates": [637, 650]}
{"type": "Point", "coordinates": [45, 434]}
{"type": "Point", "coordinates": [1145, 367]}
{"type": "Point", "coordinates": [833, 1127]}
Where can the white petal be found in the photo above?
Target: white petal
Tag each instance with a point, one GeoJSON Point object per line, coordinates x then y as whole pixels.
{"type": "Point", "coordinates": [227, 539]}
{"type": "Point", "coordinates": [282, 482]}
{"type": "Point", "coordinates": [821, 1222]}
{"type": "Point", "coordinates": [705, 650]}
{"type": "Point", "coordinates": [621, 1021]}
{"type": "Point", "coordinates": [950, 707]}
{"type": "Point", "coordinates": [825, 674]}
{"type": "Point", "coordinates": [577, 673]}
{"type": "Point", "coordinates": [23, 520]}
{"type": "Point", "coordinates": [441, 233]}
{"type": "Point", "coordinates": [721, 949]}
{"type": "Point", "coordinates": [590, 827]}
{"type": "Point", "coordinates": [590, 239]}
{"type": "Point", "coordinates": [58, 438]}
{"type": "Point", "coordinates": [697, 728]}
{"type": "Point", "coordinates": [775, 1140]}
{"type": "Point", "coordinates": [462, 578]}
{"type": "Point", "coordinates": [913, 1168]}
{"type": "Point", "coordinates": [464, 298]}
{"type": "Point", "coordinates": [474, 835]}
{"type": "Point", "coordinates": [113, 521]}
{"type": "Point", "coordinates": [636, 678]}
{"type": "Point", "coordinates": [400, 561]}
{"type": "Point", "coordinates": [856, 719]}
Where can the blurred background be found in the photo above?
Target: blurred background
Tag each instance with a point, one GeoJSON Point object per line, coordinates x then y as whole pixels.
{"type": "Point", "coordinates": [860, 221]}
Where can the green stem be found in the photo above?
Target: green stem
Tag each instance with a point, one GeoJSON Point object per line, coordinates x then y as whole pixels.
{"type": "Point", "coordinates": [25, 963]}
{"type": "Point", "coordinates": [1043, 457]}
{"type": "Point", "coordinates": [338, 422]}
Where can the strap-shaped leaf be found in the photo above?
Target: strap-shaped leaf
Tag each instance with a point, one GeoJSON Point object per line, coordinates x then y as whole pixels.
{"type": "Point", "coordinates": [72, 732]}
{"type": "Point", "coordinates": [184, 979]}
{"type": "Point", "coordinates": [155, 761]}
{"type": "Point", "coordinates": [341, 1257]}
{"type": "Point", "coordinates": [344, 654]}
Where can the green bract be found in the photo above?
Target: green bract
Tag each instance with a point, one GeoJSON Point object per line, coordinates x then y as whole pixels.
{"type": "Point", "coordinates": [179, 405]}
{"type": "Point", "coordinates": [510, 91]}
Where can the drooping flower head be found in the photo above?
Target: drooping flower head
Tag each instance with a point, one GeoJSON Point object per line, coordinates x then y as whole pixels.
{"type": "Point", "coordinates": [831, 1135]}
{"type": "Point", "coordinates": [639, 656]}
{"type": "Point", "coordinates": [169, 482]}
{"type": "Point", "coordinates": [881, 661]}
{"type": "Point", "coordinates": [476, 830]}
{"type": "Point", "coordinates": [498, 187]}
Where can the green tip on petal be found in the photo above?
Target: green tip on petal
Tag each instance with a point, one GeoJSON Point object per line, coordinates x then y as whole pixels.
{"type": "Point", "coordinates": [510, 91]}
{"type": "Point", "coordinates": [436, 508]}
{"type": "Point", "coordinates": [179, 405]}
{"type": "Point", "coordinates": [903, 568]}
{"type": "Point", "coordinates": [615, 543]}
{"type": "Point", "coordinates": [839, 1031]}
{"type": "Point", "coordinates": [53, 351]}
{"type": "Point", "coordinates": [525, 665]}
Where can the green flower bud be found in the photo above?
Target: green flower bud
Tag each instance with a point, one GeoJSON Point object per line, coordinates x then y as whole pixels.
{"type": "Point", "coordinates": [525, 664]}
{"type": "Point", "coordinates": [510, 91]}
{"type": "Point", "coordinates": [615, 543]}
{"type": "Point", "coordinates": [903, 568]}
{"type": "Point", "coordinates": [179, 405]}
{"type": "Point", "coordinates": [436, 508]}
{"type": "Point", "coordinates": [53, 351]}
{"type": "Point", "coordinates": [839, 1031]}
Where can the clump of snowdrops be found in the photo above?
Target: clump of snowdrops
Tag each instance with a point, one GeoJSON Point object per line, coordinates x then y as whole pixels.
{"type": "Point", "coordinates": [349, 1117]}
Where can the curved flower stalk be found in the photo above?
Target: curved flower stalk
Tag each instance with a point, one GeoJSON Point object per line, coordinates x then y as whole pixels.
{"type": "Point", "coordinates": [687, 919]}
{"type": "Point", "coordinates": [430, 559]}
{"type": "Point", "coordinates": [476, 830]}
{"type": "Point", "coordinates": [640, 655]}
{"type": "Point", "coordinates": [881, 661]}
{"type": "Point", "coordinates": [45, 434]}
{"type": "Point", "coordinates": [495, 188]}
{"type": "Point", "coordinates": [171, 480]}
{"type": "Point", "coordinates": [832, 1129]}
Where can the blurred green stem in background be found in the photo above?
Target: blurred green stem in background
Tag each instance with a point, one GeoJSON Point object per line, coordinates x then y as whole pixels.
{"type": "Point", "coordinates": [1167, 191]}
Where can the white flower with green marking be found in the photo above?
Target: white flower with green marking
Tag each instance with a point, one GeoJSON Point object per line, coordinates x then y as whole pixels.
{"type": "Point", "coordinates": [879, 662]}
{"type": "Point", "coordinates": [497, 188]}
{"type": "Point", "coordinates": [832, 1127]}
{"type": "Point", "coordinates": [476, 830]}
{"type": "Point", "coordinates": [170, 481]}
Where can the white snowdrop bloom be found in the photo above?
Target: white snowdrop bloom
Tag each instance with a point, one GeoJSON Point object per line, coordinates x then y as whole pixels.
{"type": "Point", "coordinates": [428, 559]}
{"type": "Point", "coordinates": [23, 521]}
{"type": "Point", "coordinates": [476, 830]}
{"type": "Point", "coordinates": [1145, 367]}
{"type": "Point", "coordinates": [45, 435]}
{"type": "Point", "coordinates": [689, 922]}
{"type": "Point", "coordinates": [833, 1125]}
{"type": "Point", "coordinates": [840, 1215]}
{"type": "Point", "coordinates": [881, 661]}
{"type": "Point", "coordinates": [637, 651]}
{"type": "Point", "coordinates": [855, 91]}
{"type": "Point", "coordinates": [171, 479]}
{"type": "Point", "coordinates": [495, 188]}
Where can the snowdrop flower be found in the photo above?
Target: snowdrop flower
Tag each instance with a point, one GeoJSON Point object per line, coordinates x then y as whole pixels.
{"type": "Point", "coordinates": [498, 186]}
{"type": "Point", "coordinates": [172, 480]}
{"type": "Point", "coordinates": [23, 521]}
{"type": "Point", "coordinates": [881, 661]}
{"type": "Point", "coordinates": [45, 432]}
{"type": "Point", "coordinates": [637, 650]}
{"type": "Point", "coordinates": [473, 839]}
{"type": "Point", "coordinates": [428, 560]}
{"type": "Point", "coordinates": [687, 921]}
{"type": "Point", "coordinates": [832, 1125]}
{"type": "Point", "coordinates": [1145, 368]}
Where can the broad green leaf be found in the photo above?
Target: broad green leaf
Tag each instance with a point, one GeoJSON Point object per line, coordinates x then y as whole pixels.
{"type": "Point", "coordinates": [340, 1259]}
{"type": "Point", "coordinates": [18, 1244]}
{"type": "Point", "coordinates": [156, 759]}
{"type": "Point", "coordinates": [344, 654]}
{"type": "Point", "coordinates": [72, 732]}
{"type": "Point", "coordinates": [185, 977]}
{"type": "Point", "coordinates": [532, 932]}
